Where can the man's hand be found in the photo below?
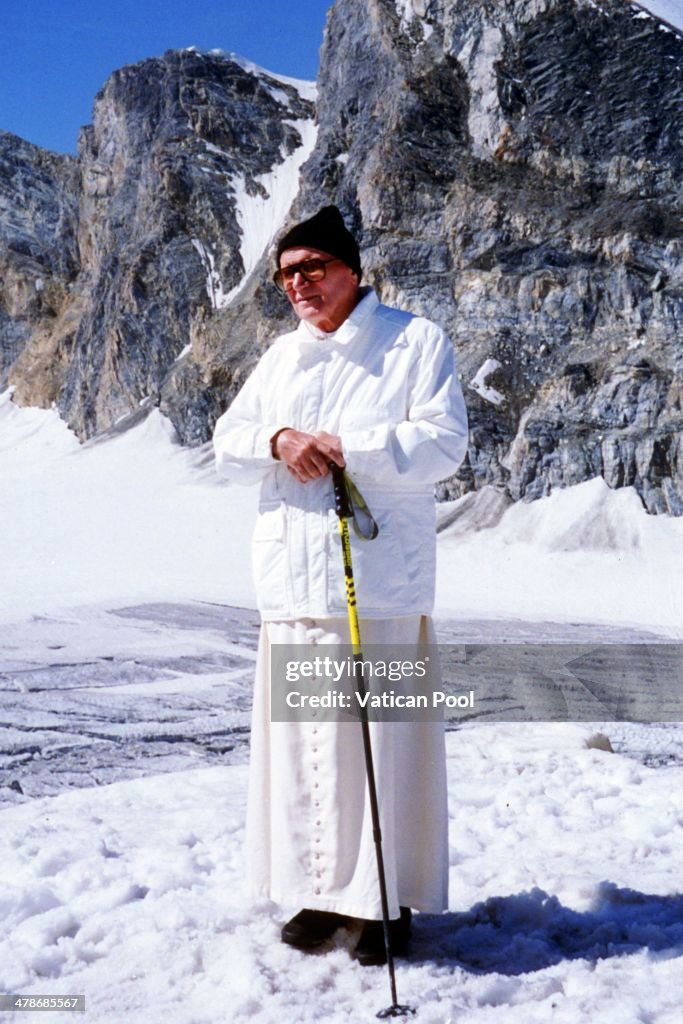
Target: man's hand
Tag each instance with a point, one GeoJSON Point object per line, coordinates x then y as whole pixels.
{"type": "Point", "coordinates": [331, 446]}
{"type": "Point", "coordinates": [307, 455]}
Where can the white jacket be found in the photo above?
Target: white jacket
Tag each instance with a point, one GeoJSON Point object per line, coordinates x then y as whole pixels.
{"type": "Point", "coordinates": [386, 383]}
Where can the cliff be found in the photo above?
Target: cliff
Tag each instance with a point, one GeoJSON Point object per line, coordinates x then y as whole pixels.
{"type": "Point", "coordinates": [190, 165]}
{"type": "Point", "coordinates": [512, 170]}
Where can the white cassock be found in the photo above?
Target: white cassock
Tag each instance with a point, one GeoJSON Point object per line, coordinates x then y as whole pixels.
{"type": "Point", "coordinates": [309, 829]}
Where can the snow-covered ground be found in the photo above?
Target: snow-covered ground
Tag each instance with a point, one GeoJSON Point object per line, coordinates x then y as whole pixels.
{"type": "Point", "coordinates": [586, 554]}
{"type": "Point", "coordinates": [132, 519]}
{"type": "Point", "coordinates": [565, 869]}
{"type": "Point", "coordinates": [127, 643]}
{"type": "Point", "coordinates": [138, 518]}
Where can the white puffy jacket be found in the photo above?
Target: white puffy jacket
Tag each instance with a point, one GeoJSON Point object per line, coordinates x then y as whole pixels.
{"type": "Point", "coordinates": [386, 383]}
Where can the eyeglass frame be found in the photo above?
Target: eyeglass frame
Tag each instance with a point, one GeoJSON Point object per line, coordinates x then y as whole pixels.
{"type": "Point", "coordinates": [298, 268]}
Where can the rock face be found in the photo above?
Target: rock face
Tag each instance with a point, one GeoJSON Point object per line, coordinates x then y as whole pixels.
{"type": "Point", "coordinates": [38, 255]}
{"type": "Point", "coordinates": [512, 169]}
{"type": "Point", "coordinates": [182, 148]}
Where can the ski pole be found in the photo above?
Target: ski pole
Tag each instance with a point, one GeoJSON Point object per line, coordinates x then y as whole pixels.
{"type": "Point", "coordinates": [344, 512]}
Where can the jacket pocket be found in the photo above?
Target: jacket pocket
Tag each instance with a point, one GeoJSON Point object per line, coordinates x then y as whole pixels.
{"type": "Point", "coordinates": [269, 562]}
{"type": "Point", "coordinates": [382, 581]}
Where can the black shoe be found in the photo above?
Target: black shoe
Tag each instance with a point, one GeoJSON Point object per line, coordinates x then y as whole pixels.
{"type": "Point", "coordinates": [311, 928]}
{"type": "Point", "coordinates": [370, 951]}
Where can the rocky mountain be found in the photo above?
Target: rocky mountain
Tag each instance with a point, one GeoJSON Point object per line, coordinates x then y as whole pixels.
{"type": "Point", "coordinates": [38, 253]}
{"type": "Point", "coordinates": [512, 169]}
{"type": "Point", "coordinates": [188, 169]}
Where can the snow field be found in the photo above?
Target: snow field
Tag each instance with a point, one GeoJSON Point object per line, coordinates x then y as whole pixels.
{"type": "Point", "coordinates": [585, 554]}
{"type": "Point", "coordinates": [157, 524]}
{"type": "Point", "coordinates": [563, 860]}
{"type": "Point", "coordinates": [116, 521]}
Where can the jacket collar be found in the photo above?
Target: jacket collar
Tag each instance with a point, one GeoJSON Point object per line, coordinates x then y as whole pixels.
{"type": "Point", "coordinates": [357, 317]}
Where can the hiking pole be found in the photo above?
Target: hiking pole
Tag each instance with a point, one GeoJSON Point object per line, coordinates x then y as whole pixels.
{"type": "Point", "coordinates": [345, 511]}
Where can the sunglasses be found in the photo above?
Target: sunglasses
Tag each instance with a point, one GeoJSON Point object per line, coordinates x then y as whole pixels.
{"type": "Point", "coordinates": [313, 269]}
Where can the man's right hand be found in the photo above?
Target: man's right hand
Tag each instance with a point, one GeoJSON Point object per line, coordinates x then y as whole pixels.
{"type": "Point", "coordinates": [307, 457]}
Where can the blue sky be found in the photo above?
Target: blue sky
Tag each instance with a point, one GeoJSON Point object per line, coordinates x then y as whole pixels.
{"type": "Point", "coordinates": [55, 56]}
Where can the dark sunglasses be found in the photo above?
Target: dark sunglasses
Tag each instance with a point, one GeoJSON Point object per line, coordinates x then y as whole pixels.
{"type": "Point", "coordinates": [312, 270]}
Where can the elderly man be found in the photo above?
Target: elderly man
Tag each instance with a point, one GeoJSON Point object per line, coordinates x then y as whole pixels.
{"type": "Point", "coordinates": [373, 389]}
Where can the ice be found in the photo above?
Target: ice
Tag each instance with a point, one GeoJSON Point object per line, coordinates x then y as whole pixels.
{"type": "Point", "coordinates": [103, 695]}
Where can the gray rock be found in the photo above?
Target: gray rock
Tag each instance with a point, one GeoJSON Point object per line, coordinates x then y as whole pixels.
{"type": "Point", "coordinates": [174, 143]}
{"type": "Point", "coordinates": [512, 171]}
{"type": "Point", "coordinates": [38, 255]}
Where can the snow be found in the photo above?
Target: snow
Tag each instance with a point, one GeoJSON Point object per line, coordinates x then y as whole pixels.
{"type": "Point", "coordinates": [581, 923]}
{"type": "Point", "coordinates": [585, 554]}
{"type": "Point", "coordinates": [133, 518]}
{"type": "Point", "coordinates": [408, 12]}
{"type": "Point", "coordinates": [668, 10]}
{"type": "Point", "coordinates": [261, 210]}
{"type": "Point", "coordinates": [306, 89]}
{"type": "Point", "coordinates": [157, 524]}
{"type": "Point", "coordinates": [478, 382]}
{"type": "Point", "coordinates": [214, 288]}
{"type": "Point", "coordinates": [120, 560]}
{"type": "Point", "coordinates": [261, 203]}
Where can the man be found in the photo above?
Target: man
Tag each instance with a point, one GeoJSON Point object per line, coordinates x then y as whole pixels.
{"type": "Point", "coordinates": [375, 390]}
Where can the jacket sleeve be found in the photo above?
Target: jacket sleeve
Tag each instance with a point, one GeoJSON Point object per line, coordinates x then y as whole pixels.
{"type": "Point", "coordinates": [431, 442]}
{"type": "Point", "coordinates": [241, 440]}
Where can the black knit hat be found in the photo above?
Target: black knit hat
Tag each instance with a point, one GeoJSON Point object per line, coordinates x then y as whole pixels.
{"type": "Point", "coordinates": [325, 231]}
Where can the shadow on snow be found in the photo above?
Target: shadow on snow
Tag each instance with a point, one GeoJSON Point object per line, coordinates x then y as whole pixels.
{"type": "Point", "coordinates": [513, 935]}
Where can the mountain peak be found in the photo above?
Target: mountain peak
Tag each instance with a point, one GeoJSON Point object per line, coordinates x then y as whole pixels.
{"type": "Point", "coordinates": [510, 169]}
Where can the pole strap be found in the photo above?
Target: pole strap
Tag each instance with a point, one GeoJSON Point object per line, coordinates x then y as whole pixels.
{"type": "Point", "coordinates": [350, 504]}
